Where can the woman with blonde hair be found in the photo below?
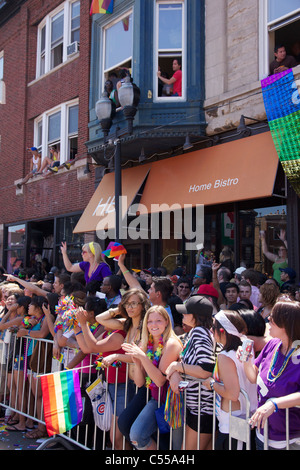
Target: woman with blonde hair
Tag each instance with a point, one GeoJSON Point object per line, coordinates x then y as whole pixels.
{"type": "Point", "coordinates": [158, 348]}
{"type": "Point", "coordinates": [92, 264]}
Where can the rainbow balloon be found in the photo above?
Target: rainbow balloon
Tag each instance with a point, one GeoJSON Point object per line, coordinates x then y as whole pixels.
{"type": "Point", "coordinates": [62, 401]}
{"type": "Point", "coordinates": [114, 250]}
{"type": "Point", "coordinates": [282, 105]}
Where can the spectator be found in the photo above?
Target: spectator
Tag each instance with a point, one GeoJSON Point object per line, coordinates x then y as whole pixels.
{"type": "Point", "coordinates": [238, 274]}
{"type": "Point", "coordinates": [279, 260]}
{"type": "Point", "coordinates": [231, 295]}
{"type": "Point", "coordinates": [111, 286]}
{"type": "Point", "coordinates": [175, 80]}
{"type": "Point", "coordinates": [52, 162]}
{"type": "Point", "coordinates": [282, 61]}
{"type": "Point", "coordinates": [252, 276]}
{"type": "Point", "coordinates": [35, 165]}
{"type": "Point", "coordinates": [277, 373]}
{"type": "Point", "coordinates": [197, 360]}
{"type": "Point", "coordinates": [203, 276]}
{"type": "Point", "coordinates": [183, 288]}
{"type": "Point", "coordinates": [112, 92]}
{"type": "Point", "coordinates": [288, 279]}
{"type": "Point", "coordinates": [210, 293]}
{"type": "Point", "coordinates": [268, 294]}
{"type": "Point", "coordinates": [159, 347]}
{"type": "Point", "coordinates": [229, 376]}
{"type": "Point", "coordinates": [93, 266]}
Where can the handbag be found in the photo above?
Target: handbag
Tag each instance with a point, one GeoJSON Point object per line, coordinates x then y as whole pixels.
{"type": "Point", "coordinates": [173, 411]}
{"type": "Point", "coordinates": [101, 404]}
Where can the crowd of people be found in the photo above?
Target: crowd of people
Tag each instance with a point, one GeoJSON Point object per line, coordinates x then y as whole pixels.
{"type": "Point", "coordinates": [170, 332]}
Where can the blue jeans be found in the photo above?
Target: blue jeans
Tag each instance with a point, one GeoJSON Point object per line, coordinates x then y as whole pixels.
{"type": "Point", "coordinates": [132, 411]}
{"type": "Point", "coordinates": [144, 426]}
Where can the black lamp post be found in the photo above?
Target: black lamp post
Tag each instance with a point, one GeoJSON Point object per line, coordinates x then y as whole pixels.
{"type": "Point", "coordinates": [129, 97]}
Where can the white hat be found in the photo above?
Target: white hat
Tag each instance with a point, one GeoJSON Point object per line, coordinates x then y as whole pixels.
{"type": "Point", "coordinates": [239, 270]}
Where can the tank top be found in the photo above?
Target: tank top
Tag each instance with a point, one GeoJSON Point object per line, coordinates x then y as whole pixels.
{"type": "Point", "coordinates": [250, 389]}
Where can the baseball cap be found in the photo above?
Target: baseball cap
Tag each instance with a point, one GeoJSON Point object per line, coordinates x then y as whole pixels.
{"type": "Point", "coordinates": [289, 271]}
{"type": "Point", "coordinates": [207, 289]}
{"type": "Point", "coordinates": [33, 149]}
{"type": "Point", "coordinates": [196, 304]}
{"type": "Point", "coordinates": [239, 270]}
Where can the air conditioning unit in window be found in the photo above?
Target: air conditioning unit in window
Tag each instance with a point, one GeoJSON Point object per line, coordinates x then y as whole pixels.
{"type": "Point", "coordinates": [72, 48]}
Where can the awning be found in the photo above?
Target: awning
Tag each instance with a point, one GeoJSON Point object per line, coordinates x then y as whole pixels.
{"type": "Point", "coordinates": [235, 171]}
{"type": "Point", "coordinates": [100, 211]}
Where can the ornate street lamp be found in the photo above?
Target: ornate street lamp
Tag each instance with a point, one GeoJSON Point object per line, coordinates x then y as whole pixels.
{"type": "Point", "coordinates": [129, 98]}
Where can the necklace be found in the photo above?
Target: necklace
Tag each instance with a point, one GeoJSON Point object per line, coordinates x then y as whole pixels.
{"type": "Point", "coordinates": [154, 356]}
{"type": "Point", "coordinates": [272, 377]}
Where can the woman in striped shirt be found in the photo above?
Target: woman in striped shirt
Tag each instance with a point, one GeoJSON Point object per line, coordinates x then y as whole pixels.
{"type": "Point", "coordinates": [197, 361]}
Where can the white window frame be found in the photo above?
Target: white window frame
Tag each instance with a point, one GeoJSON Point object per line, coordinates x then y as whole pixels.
{"type": "Point", "coordinates": [267, 35]}
{"type": "Point", "coordinates": [157, 98]}
{"type": "Point", "coordinates": [63, 142]}
{"type": "Point", "coordinates": [66, 8]}
{"type": "Point", "coordinates": [108, 25]}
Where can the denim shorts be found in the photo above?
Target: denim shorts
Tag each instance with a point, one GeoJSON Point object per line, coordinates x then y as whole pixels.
{"type": "Point", "coordinates": [120, 405]}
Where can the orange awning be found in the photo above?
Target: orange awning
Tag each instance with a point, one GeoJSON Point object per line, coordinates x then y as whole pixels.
{"type": "Point", "coordinates": [100, 211]}
{"type": "Point", "coordinates": [235, 171]}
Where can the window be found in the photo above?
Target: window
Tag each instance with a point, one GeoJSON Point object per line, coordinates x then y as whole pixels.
{"type": "Point", "coordinates": [169, 50]}
{"type": "Point", "coordinates": [58, 127]}
{"type": "Point", "coordinates": [57, 30]}
{"type": "Point", "coordinates": [280, 26]}
{"type": "Point", "coordinates": [15, 248]}
{"type": "Point", "coordinates": [118, 45]}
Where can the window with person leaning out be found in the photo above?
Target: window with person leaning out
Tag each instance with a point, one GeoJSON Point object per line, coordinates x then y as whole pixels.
{"type": "Point", "coordinates": [282, 60]}
{"type": "Point", "coordinates": [173, 84]}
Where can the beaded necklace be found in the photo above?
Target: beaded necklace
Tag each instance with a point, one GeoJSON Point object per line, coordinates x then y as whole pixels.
{"type": "Point", "coordinates": [272, 377]}
{"type": "Point", "coordinates": [154, 356]}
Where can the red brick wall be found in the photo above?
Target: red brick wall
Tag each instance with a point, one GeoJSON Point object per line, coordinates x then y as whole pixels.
{"type": "Point", "coordinates": [60, 193]}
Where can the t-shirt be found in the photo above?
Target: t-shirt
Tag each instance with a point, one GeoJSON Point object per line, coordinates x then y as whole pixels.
{"type": "Point", "coordinates": [177, 85]}
{"type": "Point", "coordinates": [199, 351]}
{"type": "Point", "coordinates": [102, 271]}
{"type": "Point", "coordinates": [287, 383]}
{"type": "Point", "coordinates": [288, 62]}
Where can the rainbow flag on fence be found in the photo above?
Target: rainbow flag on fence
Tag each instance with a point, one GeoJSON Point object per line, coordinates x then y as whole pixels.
{"type": "Point", "coordinates": [102, 6]}
{"type": "Point", "coordinates": [62, 401]}
{"type": "Point", "coordinates": [282, 105]}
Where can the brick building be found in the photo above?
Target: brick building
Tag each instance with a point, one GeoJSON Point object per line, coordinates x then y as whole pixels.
{"type": "Point", "coordinates": [45, 54]}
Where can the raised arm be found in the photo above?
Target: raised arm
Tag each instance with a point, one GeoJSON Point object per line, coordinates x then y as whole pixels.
{"type": "Point", "coordinates": [73, 268]}
{"type": "Point", "coordinates": [27, 285]}
{"type": "Point", "coordinates": [266, 252]}
{"type": "Point", "coordinates": [129, 278]}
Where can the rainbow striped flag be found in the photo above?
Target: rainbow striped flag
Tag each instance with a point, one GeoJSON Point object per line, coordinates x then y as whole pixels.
{"type": "Point", "coordinates": [102, 6]}
{"type": "Point", "coordinates": [62, 401]}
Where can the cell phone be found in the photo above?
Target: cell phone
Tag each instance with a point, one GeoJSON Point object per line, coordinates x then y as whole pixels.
{"type": "Point", "coordinates": [183, 384]}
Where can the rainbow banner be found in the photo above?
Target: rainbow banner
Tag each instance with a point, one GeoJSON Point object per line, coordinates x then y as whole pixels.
{"type": "Point", "coordinates": [282, 104]}
{"type": "Point", "coordinates": [102, 6]}
{"type": "Point", "coordinates": [62, 401]}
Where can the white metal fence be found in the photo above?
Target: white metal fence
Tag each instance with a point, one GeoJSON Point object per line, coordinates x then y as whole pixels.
{"type": "Point", "coordinates": [20, 392]}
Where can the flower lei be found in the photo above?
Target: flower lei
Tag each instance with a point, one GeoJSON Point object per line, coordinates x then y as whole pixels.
{"type": "Point", "coordinates": [98, 364]}
{"type": "Point", "coordinates": [66, 314]}
{"type": "Point", "coordinates": [154, 356]}
{"type": "Point", "coordinates": [25, 322]}
{"type": "Point", "coordinates": [272, 377]}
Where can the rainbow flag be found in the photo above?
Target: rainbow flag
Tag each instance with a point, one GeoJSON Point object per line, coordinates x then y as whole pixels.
{"type": "Point", "coordinates": [62, 401]}
{"type": "Point", "coordinates": [102, 6]}
{"type": "Point", "coordinates": [282, 105]}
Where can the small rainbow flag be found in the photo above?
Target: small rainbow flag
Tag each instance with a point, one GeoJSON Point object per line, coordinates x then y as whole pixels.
{"type": "Point", "coordinates": [102, 6]}
{"type": "Point", "coordinates": [62, 401]}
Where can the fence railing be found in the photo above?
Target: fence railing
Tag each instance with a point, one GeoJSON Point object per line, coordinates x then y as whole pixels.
{"type": "Point", "coordinates": [20, 392]}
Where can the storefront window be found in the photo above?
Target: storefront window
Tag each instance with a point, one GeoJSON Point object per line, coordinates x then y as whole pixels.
{"type": "Point", "coordinates": [15, 252]}
{"type": "Point", "coordinates": [64, 232]}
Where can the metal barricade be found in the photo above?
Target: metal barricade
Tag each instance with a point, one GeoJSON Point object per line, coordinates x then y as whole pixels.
{"type": "Point", "coordinates": [20, 389]}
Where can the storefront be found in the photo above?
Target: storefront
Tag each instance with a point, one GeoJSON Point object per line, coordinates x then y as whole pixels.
{"type": "Point", "coordinates": [240, 185]}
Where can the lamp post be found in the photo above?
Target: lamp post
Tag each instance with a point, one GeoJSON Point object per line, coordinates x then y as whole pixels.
{"type": "Point", "coordinates": [129, 97]}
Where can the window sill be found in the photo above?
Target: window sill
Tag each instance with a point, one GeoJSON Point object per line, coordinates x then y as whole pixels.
{"type": "Point", "coordinates": [79, 166]}
{"type": "Point", "coordinates": [68, 61]}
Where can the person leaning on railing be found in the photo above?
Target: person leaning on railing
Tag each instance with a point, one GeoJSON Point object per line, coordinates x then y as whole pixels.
{"type": "Point", "coordinates": [197, 360]}
{"type": "Point", "coordinates": [277, 374]}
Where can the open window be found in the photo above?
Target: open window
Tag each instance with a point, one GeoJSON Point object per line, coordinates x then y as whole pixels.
{"type": "Point", "coordinates": [169, 51]}
{"type": "Point", "coordinates": [117, 52]}
{"type": "Point", "coordinates": [58, 128]}
{"type": "Point", "coordinates": [281, 27]}
{"type": "Point", "coordinates": [58, 36]}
